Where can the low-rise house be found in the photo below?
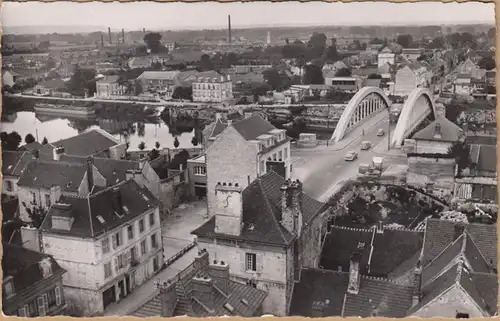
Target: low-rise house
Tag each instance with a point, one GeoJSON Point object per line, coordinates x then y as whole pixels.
{"type": "Point", "coordinates": [9, 78]}
{"type": "Point", "coordinates": [469, 68]}
{"type": "Point", "coordinates": [437, 137]}
{"type": "Point", "coordinates": [333, 68]}
{"type": "Point", "coordinates": [386, 56]}
{"type": "Point", "coordinates": [466, 85]}
{"type": "Point", "coordinates": [409, 77]}
{"type": "Point", "coordinates": [161, 82]}
{"type": "Point", "coordinates": [54, 87]}
{"type": "Point", "coordinates": [348, 84]}
{"type": "Point", "coordinates": [32, 283]}
{"type": "Point", "coordinates": [139, 63]}
{"type": "Point", "coordinates": [265, 231]}
{"type": "Point", "coordinates": [204, 289]}
{"type": "Point", "coordinates": [109, 242]}
{"type": "Point", "coordinates": [216, 89]}
{"type": "Point", "coordinates": [110, 87]}
{"type": "Point", "coordinates": [13, 163]}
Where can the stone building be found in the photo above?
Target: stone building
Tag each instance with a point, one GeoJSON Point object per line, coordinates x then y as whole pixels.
{"type": "Point", "coordinates": [265, 231]}
{"type": "Point", "coordinates": [109, 242]}
{"type": "Point", "coordinates": [386, 56]}
{"type": "Point", "coordinates": [110, 87]}
{"type": "Point", "coordinates": [216, 89]}
{"type": "Point", "coordinates": [410, 77]}
{"type": "Point", "coordinates": [437, 137]}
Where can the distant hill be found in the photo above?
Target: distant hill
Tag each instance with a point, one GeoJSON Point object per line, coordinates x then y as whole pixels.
{"type": "Point", "coordinates": [36, 30]}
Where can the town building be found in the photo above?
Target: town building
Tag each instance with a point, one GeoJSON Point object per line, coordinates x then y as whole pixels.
{"type": "Point", "coordinates": [408, 78]}
{"type": "Point", "coordinates": [204, 289]}
{"type": "Point", "coordinates": [109, 242]}
{"type": "Point", "coordinates": [265, 231]}
{"type": "Point", "coordinates": [437, 137]}
{"type": "Point", "coordinates": [333, 68]}
{"type": "Point", "coordinates": [32, 283]}
{"type": "Point", "coordinates": [469, 68]}
{"type": "Point", "coordinates": [216, 89]}
{"type": "Point", "coordinates": [240, 154]}
{"type": "Point", "coordinates": [53, 87]}
{"type": "Point", "coordinates": [197, 173]}
{"type": "Point", "coordinates": [412, 54]}
{"type": "Point", "coordinates": [13, 163]}
{"type": "Point", "coordinates": [465, 85]}
{"type": "Point", "coordinates": [386, 56]}
{"type": "Point", "coordinates": [348, 84]}
{"type": "Point", "coordinates": [110, 87]}
{"type": "Point", "coordinates": [9, 77]}
{"type": "Point", "coordinates": [160, 82]}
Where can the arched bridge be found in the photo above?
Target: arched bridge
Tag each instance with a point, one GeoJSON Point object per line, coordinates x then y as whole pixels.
{"type": "Point", "coordinates": [367, 102]}
{"type": "Point", "coordinates": [417, 107]}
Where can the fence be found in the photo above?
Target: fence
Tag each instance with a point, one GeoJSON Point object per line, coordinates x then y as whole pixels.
{"type": "Point", "coordinates": [174, 258]}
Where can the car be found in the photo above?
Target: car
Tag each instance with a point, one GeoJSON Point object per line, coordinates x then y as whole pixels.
{"type": "Point", "coordinates": [350, 156]}
{"type": "Point", "coordinates": [380, 132]}
{"type": "Point", "coordinates": [365, 145]}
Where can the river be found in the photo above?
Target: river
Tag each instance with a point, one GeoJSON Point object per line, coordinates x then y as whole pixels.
{"type": "Point", "coordinates": [60, 127]}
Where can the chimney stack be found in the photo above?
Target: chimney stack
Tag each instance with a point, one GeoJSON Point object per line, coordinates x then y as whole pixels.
{"type": "Point", "coordinates": [229, 208]}
{"type": "Point", "coordinates": [291, 206]}
{"type": "Point", "coordinates": [229, 30]}
{"type": "Point", "coordinates": [437, 131]}
{"type": "Point", "coordinates": [354, 275]}
{"type": "Point", "coordinates": [168, 298]}
{"type": "Point", "coordinates": [144, 30]}
{"type": "Point", "coordinates": [123, 35]}
{"type": "Point", "coordinates": [109, 34]}
{"type": "Point", "coordinates": [57, 152]}
{"type": "Point", "coordinates": [220, 272]}
{"type": "Point", "coordinates": [90, 173]}
{"type": "Point", "coordinates": [102, 40]}
{"type": "Point", "coordinates": [202, 289]}
{"type": "Point", "coordinates": [417, 283]}
{"type": "Point", "coordinates": [117, 200]}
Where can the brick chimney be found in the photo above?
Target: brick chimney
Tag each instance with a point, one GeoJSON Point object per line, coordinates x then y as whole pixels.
{"type": "Point", "coordinates": [291, 206]}
{"type": "Point", "coordinates": [90, 173]}
{"type": "Point", "coordinates": [437, 131]}
{"type": "Point", "coordinates": [228, 208]}
{"type": "Point", "coordinates": [220, 272]}
{"type": "Point", "coordinates": [57, 152]}
{"type": "Point", "coordinates": [354, 275]}
{"type": "Point", "coordinates": [202, 289]}
{"type": "Point", "coordinates": [168, 296]}
{"type": "Point", "coordinates": [417, 283]}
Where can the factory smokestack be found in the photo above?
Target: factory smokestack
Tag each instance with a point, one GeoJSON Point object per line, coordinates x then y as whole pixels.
{"type": "Point", "coordinates": [102, 40]}
{"type": "Point", "coordinates": [123, 35]}
{"type": "Point", "coordinates": [109, 34]}
{"type": "Point", "coordinates": [229, 30]}
{"type": "Point", "coordinates": [144, 30]}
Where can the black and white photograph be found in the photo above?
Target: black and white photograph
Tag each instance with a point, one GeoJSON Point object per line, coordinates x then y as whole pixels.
{"type": "Point", "coordinates": [249, 159]}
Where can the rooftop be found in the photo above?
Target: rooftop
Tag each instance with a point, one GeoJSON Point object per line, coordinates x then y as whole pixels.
{"type": "Point", "coordinates": [86, 144]}
{"type": "Point", "coordinates": [448, 130]}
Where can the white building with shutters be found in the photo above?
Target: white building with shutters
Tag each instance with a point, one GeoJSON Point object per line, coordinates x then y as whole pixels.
{"type": "Point", "coordinates": [109, 243]}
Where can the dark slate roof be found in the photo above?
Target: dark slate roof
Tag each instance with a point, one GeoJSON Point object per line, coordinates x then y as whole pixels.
{"type": "Point", "coordinates": [485, 157]}
{"type": "Point", "coordinates": [487, 286]}
{"type": "Point", "coordinates": [262, 212]}
{"type": "Point", "coordinates": [85, 144]}
{"type": "Point", "coordinates": [31, 146]}
{"type": "Point", "coordinates": [378, 297]}
{"type": "Point", "coordinates": [320, 293]}
{"type": "Point", "coordinates": [440, 233]}
{"type": "Point", "coordinates": [252, 127]}
{"type": "Point", "coordinates": [217, 128]}
{"type": "Point", "coordinates": [100, 206]}
{"type": "Point", "coordinates": [391, 249]}
{"type": "Point", "coordinates": [23, 266]}
{"type": "Point", "coordinates": [449, 131]}
{"type": "Point", "coordinates": [47, 174]}
{"type": "Point", "coordinates": [14, 162]}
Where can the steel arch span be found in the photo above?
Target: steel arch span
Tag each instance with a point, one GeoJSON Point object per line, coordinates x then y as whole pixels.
{"type": "Point", "coordinates": [412, 114]}
{"type": "Point", "coordinates": [367, 102]}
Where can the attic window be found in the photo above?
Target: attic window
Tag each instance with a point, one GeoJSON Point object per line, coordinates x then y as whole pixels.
{"type": "Point", "coordinates": [101, 219]}
{"type": "Point", "coordinates": [68, 185]}
{"type": "Point", "coordinates": [145, 198]}
{"type": "Point", "coordinates": [125, 209]}
{"type": "Point", "coordinates": [229, 307]}
{"type": "Point", "coordinates": [251, 227]}
{"type": "Point", "coordinates": [244, 301]}
{"type": "Point", "coordinates": [119, 216]}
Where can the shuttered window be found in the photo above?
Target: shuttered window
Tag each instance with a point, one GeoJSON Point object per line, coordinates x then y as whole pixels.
{"type": "Point", "coordinates": [58, 296]}
{"type": "Point", "coordinates": [41, 306]}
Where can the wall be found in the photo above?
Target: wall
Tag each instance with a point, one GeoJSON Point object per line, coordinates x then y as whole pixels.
{"type": "Point", "coordinates": [195, 179]}
{"type": "Point", "coordinates": [311, 241]}
{"type": "Point", "coordinates": [24, 195]}
{"type": "Point", "coordinates": [405, 82]}
{"type": "Point", "coordinates": [115, 152]}
{"type": "Point", "coordinates": [13, 182]}
{"type": "Point", "coordinates": [448, 304]}
{"type": "Point", "coordinates": [274, 154]}
{"type": "Point", "coordinates": [271, 275]}
{"type": "Point", "coordinates": [431, 147]}
{"type": "Point", "coordinates": [81, 302]}
{"type": "Point", "coordinates": [230, 159]}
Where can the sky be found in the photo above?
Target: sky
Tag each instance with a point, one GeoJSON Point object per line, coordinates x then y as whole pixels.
{"type": "Point", "coordinates": [178, 15]}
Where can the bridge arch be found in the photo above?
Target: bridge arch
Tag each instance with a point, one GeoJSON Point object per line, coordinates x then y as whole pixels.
{"type": "Point", "coordinates": [365, 103]}
{"type": "Point", "coordinates": [418, 105]}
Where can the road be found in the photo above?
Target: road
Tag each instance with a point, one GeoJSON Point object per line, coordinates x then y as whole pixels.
{"type": "Point", "coordinates": [323, 172]}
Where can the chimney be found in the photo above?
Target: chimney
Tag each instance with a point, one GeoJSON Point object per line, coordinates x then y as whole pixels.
{"type": "Point", "coordinates": [380, 227]}
{"type": "Point", "coordinates": [201, 259]}
{"type": "Point", "coordinates": [229, 208]}
{"type": "Point", "coordinates": [117, 200]}
{"type": "Point", "coordinates": [417, 284]}
{"type": "Point", "coordinates": [144, 30]}
{"type": "Point", "coordinates": [291, 206]}
{"type": "Point", "coordinates": [109, 34]}
{"type": "Point", "coordinates": [220, 272]}
{"type": "Point", "coordinates": [57, 152]}
{"type": "Point", "coordinates": [276, 166]}
{"type": "Point", "coordinates": [459, 230]}
{"type": "Point", "coordinates": [123, 36]}
{"type": "Point", "coordinates": [35, 153]}
{"type": "Point", "coordinates": [248, 114]}
{"type": "Point", "coordinates": [90, 173]}
{"type": "Point", "coordinates": [354, 276]}
{"type": "Point", "coordinates": [218, 116]}
{"type": "Point", "coordinates": [202, 289]}
{"type": "Point", "coordinates": [437, 131]}
{"type": "Point", "coordinates": [102, 40]}
{"type": "Point", "coordinates": [229, 29]}
{"type": "Point", "coordinates": [168, 298]}
{"type": "Point", "coordinates": [55, 194]}
{"type": "Point", "coordinates": [62, 222]}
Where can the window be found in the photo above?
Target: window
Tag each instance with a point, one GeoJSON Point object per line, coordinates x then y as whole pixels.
{"type": "Point", "coordinates": [42, 305]}
{"type": "Point", "coordinates": [274, 156]}
{"type": "Point", "coordinates": [286, 153]}
{"type": "Point", "coordinates": [117, 240]}
{"type": "Point", "coordinates": [151, 219]}
{"type": "Point", "coordinates": [200, 171]}
{"type": "Point", "coordinates": [141, 225]}
{"type": "Point", "coordinates": [52, 300]}
{"type": "Point", "coordinates": [120, 261]}
{"type": "Point", "coordinates": [133, 254]}
{"type": "Point", "coordinates": [33, 197]}
{"type": "Point", "coordinates": [24, 311]}
{"type": "Point", "coordinates": [8, 288]}
{"type": "Point", "coordinates": [156, 264]}
{"type": "Point", "coordinates": [130, 232]}
{"type": "Point", "coordinates": [280, 155]}
{"type": "Point", "coordinates": [462, 315]}
{"type": "Point", "coordinates": [10, 186]}
{"type": "Point", "coordinates": [154, 244]}
{"type": "Point", "coordinates": [105, 245]}
{"type": "Point", "coordinates": [47, 200]}
{"type": "Point", "coordinates": [251, 262]}
{"type": "Point", "coordinates": [143, 247]}
{"type": "Point", "coordinates": [107, 270]}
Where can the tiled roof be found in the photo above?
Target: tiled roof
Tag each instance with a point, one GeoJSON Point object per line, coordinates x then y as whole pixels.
{"type": "Point", "coordinates": [14, 162]}
{"type": "Point", "coordinates": [262, 212]}
{"type": "Point", "coordinates": [31, 146]}
{"type": "Point", "coordinates": [101, 210]}
{"type": "Point", "coordinates": [159, 75]}
{"type": "Point", "coordinates": [449, 131]}
{"type": "Point", "coordinates": [85, 144]}
{"type": "Point", "coordinates": [47, 174]}
{"type": "Point", "coordinates": [390, 249]}
{"type": "Point", "coordinates": [440, 233]}
{"type": "Point", "coordinates": [487, 286]}
{"type": "Point", "coordinates": [252, 127]}
{"type": "Point", "coordinates": [23, 266]}
{"type": "Point", "coordinates": [485, 157]}
{"type": "Point", "coordinates": [320, 293]}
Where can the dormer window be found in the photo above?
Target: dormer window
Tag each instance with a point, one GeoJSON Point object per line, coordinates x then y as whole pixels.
{"type": "Point", "coordinates": [8, 287]}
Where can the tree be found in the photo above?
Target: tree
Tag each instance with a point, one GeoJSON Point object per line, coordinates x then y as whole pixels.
{"type": "Point", "coordinates": [28, 139]}
{"type": "Point", "coordinates": [10, 141]}
{"type": "Point", "coordinates": [184, 93]}
{"type": "Point", "coordinates": [492, 32]}
{"type": "Point", "coordinates": [138, 88]}
{"type": "Point", "coordinates": [36, 213]}
{"type": "Point", "coordinates": [153, 41]}
{"type": "Point", "coordinates": [205, 63]}
{"type": "Point", "coordinates": [313, 75]}
{"type": "Point", "coordinates": [343, 72]}
{"type": "Point", "coordinates": [176, 142]}
{"type": "Point", "coordinates": [272, 78]}
{"type": "Point", "coordinates": [45, 141]}
{"type": "Point", "coordinates": [487, 63]}
{"type": "Point", "coordinates": [316, 45]}
{"type": "Point", "coordinates": [157, 145]}
{"type": "Point", "coordinates": [374, 76]}
{"type": "Point", "coordinates": [194, 141]}
{"type": "Point", "coordinates": [260, 90]}
{"type": "Point", "coordinates": [461, 152]}
{"type": "Point", "coordinates": [153, 154]}
{"type": "Point", "coordinates": [142, 145]}
{"type": "Point", "coordinates": [83, 81]}
{"type": "Point", "coordinates": [404, 40]}
{"type": "Point", "coordinates": [331, 54]}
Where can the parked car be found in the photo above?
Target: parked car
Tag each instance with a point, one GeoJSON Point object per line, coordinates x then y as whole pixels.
{"type": "Point", "coordinates": [380, 132]}
{"type": "Point", "coordinates": [365, 145]}
{"type": "Point", "coordinates": [350, 156]}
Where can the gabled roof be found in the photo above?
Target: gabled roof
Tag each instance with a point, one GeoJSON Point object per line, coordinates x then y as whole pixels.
{"type": "Point", "coordinates": [98, 213]}
{"type": "Point", "coordinates": [158, 75]}
{"type": "Point", "coordinates": [252, 127]}
{"type": "Point", "coordinates": [449, 131]}
{"type": "Point", "coordinates": [14, 162]}
{"type": "Point", "coordinates": [86, 144]}
{"type": "Point", "coordinates": [109, 79]}
{"type": "Point", "coordinates": [262, 213]}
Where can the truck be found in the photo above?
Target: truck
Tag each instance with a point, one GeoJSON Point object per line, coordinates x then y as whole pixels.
{"type": "Point", "coordinates": [373, 170]}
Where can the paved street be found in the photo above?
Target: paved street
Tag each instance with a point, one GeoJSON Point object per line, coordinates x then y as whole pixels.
{"type": "Point", "coordinates": [322, 170]}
